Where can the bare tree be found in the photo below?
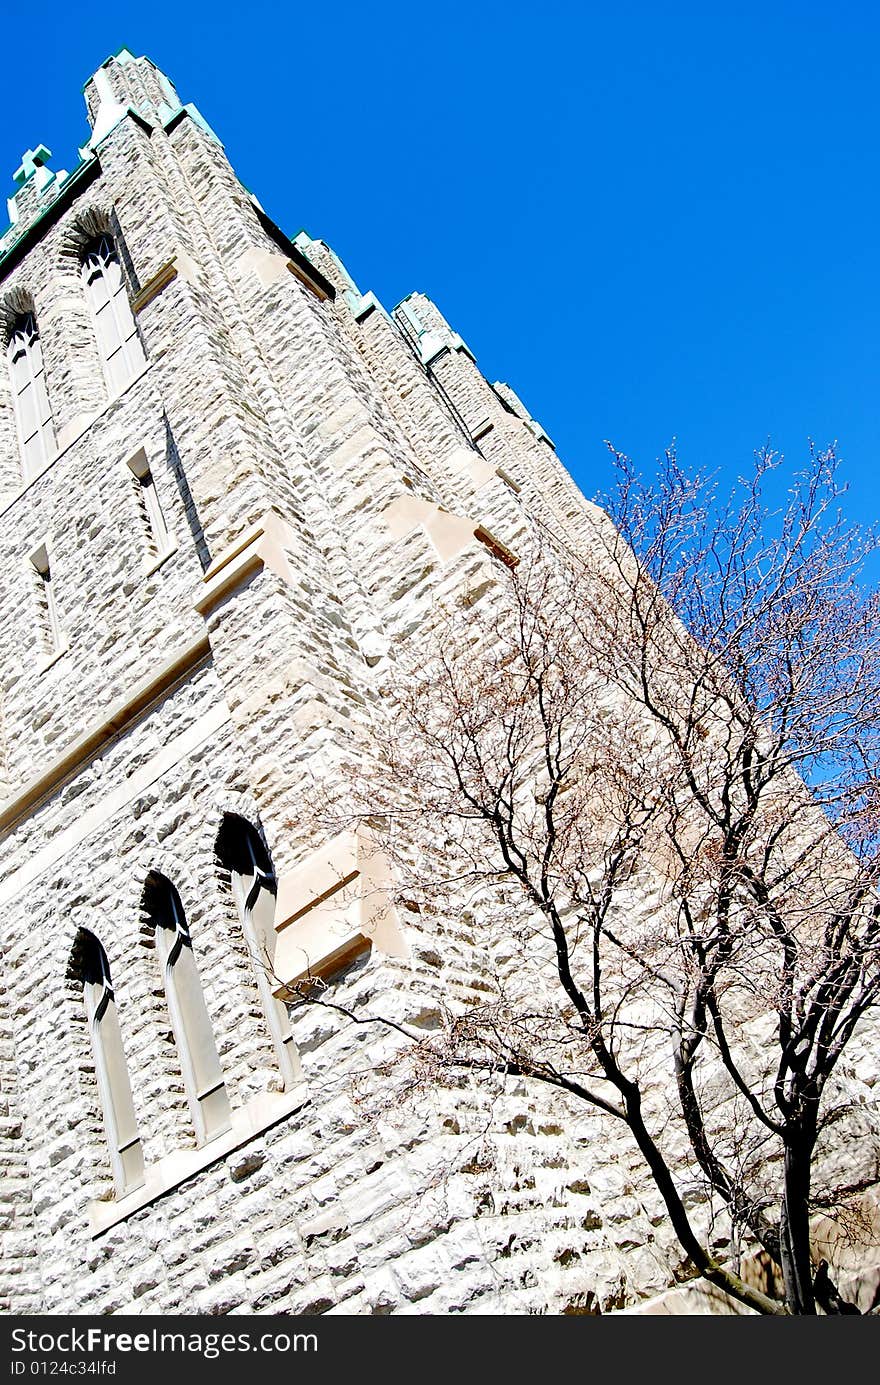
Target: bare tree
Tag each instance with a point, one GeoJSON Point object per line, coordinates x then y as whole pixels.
{"type": "Point", "coordinates": [660, 761]}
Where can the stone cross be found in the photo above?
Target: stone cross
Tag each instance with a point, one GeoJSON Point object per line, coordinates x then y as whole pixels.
{"type": "Point", "coordinates": [31, 160]}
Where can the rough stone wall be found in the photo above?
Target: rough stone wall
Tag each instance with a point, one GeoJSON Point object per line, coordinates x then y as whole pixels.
{"type": "Point", "coordinates": [299, 443]}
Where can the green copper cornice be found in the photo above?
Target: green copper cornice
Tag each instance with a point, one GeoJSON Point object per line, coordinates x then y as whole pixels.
{"type": "Point", "coordinates": [17, 246]}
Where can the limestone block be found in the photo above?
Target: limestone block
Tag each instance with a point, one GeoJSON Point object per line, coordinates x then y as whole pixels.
{"type": "Point", "coordinates": [336, 903]}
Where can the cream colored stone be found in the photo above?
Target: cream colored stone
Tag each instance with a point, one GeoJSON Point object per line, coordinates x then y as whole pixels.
{"type": "Point", "coordinates": [268, 266]}
{"type": "Point", "coordinates": [262, 545]}
{"type": "Point", "coordinates": [332, 905]}
{"type": "Point", "coordinates": [449, 533]}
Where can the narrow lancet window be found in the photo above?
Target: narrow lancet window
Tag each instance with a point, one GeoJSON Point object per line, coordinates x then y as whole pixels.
{"type": "Point", "coordinates": [193, 1033]}
{"type": "Point", "coordinates": [119, 344]}
{"type": "Point", "coordinates": [155, 530]}
{"type": "Point", "coordinates": [33, 413]}
{"type": "Point", "coordinates": [111, 1070]}
{"type": "Point", "coordinates": [242, 852]}
{"type": "Point", "coordinates": [49, 632]}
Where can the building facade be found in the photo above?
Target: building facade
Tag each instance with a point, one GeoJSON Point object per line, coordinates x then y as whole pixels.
{"type": "Point", "coordinates": [230, 483]}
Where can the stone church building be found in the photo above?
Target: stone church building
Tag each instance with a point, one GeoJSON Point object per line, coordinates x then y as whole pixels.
{"type": "Point", "coordinates": [229, 483]}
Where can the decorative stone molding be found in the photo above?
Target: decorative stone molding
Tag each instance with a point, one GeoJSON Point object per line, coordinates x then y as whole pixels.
{"type": "Point", "coordinates": [82, 826]}
{"type": "Point", "coordinates": [508, 480]}
{"type": "Point", "coordinates": [109, 723]}
{"type": "Point", "coordinates": [450, 534]}
{"type": "Point", "coordinates": [429, 340]}
{"type": "Point", "coordinates": [270, 267]}
{"type": "Point", "coordinates": [334, 905]}
{"type": "Point", "coordinates": [306, 278]}
{"type": "Point", "coordinates": [17, 302]}
{"type": "Point", "coordinates": [262, 545]}
{"type": "Point", "coordinates": [364, 304]}
{"type": "Point", "coordinates": [154, 286]}
{"type": "Point", "coordinates": [498, 549]}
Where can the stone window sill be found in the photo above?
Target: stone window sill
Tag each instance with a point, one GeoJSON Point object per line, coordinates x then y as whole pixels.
{"type": "Point", "coordinates": [249, 1121]}
{"type": "Point", "coordinates": [51, 659]}
{"type": "Point", "coordinates": [163, 557]}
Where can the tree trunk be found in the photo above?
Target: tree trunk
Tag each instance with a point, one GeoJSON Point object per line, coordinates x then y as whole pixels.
{"type": "Point", "coordinates": [794, 1230]}
{"type": "Point", "coordinates": [705, 1263]}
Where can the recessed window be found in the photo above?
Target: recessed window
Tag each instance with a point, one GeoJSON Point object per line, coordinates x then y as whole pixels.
{"type": "Point", "coordinates": [119, 344]}
{"type": "Point", "coordinates": [126, 1154]}
{"type": "Point", "coordinates": [156, 538]}
{"type": "Point", "coordinates": [190, 1022]}
{"type": "Point", "coordinates": [49, 633]}
{"type": "Point", "coordinates": [33, 413]}
{"type": "Point", "coordinates": [242, 851]}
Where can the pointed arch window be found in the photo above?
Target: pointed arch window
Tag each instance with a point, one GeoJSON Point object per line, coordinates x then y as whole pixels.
{"type": "Point", "coordinates": [119, 344]}
{"type": "Point", "coordinates": [111, 1070]}
{"type": "Point", "coordinates": [33, 412]}
{"type": "Point", "coordinates": [242, 851]}
{"type": "Point", "coordinates": [193, 1033]}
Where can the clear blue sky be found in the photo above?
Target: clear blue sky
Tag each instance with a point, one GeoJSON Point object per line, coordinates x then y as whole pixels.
{"type": "Point", "coordinates": [652, 220]}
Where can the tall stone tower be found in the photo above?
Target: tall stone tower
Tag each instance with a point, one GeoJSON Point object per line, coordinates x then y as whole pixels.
{"type": "Point", "coordinates": [229, 481]}
{"type": "Point", "coordinates": [230, 484]}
